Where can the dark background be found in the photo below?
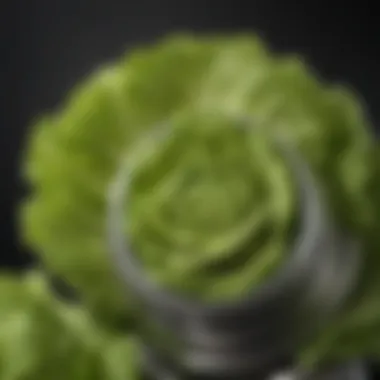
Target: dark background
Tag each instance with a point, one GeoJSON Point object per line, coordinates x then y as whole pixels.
{"type": "Point", "coordinates": [48, 45]}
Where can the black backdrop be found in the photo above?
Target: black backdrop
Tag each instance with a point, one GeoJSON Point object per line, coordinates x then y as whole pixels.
{"type": "Point", "coordinates": [48, 45]}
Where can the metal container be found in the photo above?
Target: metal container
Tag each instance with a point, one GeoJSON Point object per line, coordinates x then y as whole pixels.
{"type": "Point", "coordinates": [252, 337]}
{"type": "Point", "coordinates": [354, 370]}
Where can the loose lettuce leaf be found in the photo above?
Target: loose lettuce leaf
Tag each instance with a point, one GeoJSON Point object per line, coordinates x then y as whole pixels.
{"type": "Point", "coordinates": [44, 338]}
{"type": "Point", "coordinates": [73, 155]}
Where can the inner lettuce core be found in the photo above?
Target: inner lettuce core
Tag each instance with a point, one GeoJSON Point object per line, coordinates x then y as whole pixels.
{"type": "Point", "coordinates": [210, 205]}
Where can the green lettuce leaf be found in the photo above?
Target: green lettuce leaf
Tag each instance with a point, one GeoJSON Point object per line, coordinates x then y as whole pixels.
{"type": "Point", "coordinates": [43, 338]}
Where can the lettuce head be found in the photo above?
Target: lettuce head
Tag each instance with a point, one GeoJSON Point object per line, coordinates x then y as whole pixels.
{"type": "Point", "coordinates": [211, 210]}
